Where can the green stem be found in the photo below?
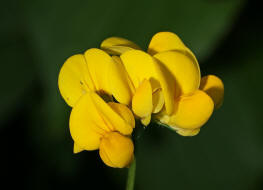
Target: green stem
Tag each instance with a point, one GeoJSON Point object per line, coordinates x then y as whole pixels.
{"type": "Point", "coordinates": [131, 176]}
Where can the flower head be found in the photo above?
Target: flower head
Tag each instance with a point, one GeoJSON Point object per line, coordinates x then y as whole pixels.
{"type": "Point", "coordinates": [107, 87]}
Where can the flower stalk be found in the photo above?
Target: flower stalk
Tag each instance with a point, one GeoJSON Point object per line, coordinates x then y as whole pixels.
{"type": "Point", "coordinates": [131, 175]}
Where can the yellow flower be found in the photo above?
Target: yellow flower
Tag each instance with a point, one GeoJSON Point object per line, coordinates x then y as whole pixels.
{"type": "Point", "coordinates": [96, 122]}
{"type": "Point", "coordinates": [165, 82]}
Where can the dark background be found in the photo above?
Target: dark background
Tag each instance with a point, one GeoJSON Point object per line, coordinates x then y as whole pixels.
{"type": "Point", "coordinates": [36, 147]}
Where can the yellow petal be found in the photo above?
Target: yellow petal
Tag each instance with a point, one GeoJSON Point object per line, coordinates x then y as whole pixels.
{"type": "Point", "coordinates": [168, 41]}
{"type": "Point", "coordinates": [117, 41]}
{"type": "Point", "coordinates": [116, 50]}
{"type": "Point", "coordinates": [74, 79]}
{"type": "Point", "coordinates": [116, 121]}
{"type": "Point", "coordinates": [167, 83]}
{"type": "Point", "coordinates": [146, 120]}
{"type": "Point", "coordinates": [158, 100]}
{"type": "Point", "coordinates": [183, 69]}
{"type": "Point", "coordinates": [142, 100]}
{"type": "Point", "coordinates": [91, 118]}
{"type": "Point", "coordinates": [117, 46]}
{"type": "Point", "coordinates": [124, 112]}
{"type": "Point", "coordinates": [166, 119]}
{"type": "Point", "coordinates": [165, 41]}
{"type": "Point", "coordinates": [86, 124]}
{"type": "Point", "coordinates": [139, 66]}
{"type": "Point", "coordinates": [99, 64]}
{"type": "Point", "coordinates": [116, 150]}
{"type": "Point", "coordinates": [214, 87]}
{"type": "Point", "coordinates": [77, 148]}
{"type": "Point", "coordinates": [192, 111]}
{"type": "Point", "coordinates": [188, 132]}
{"type": "Point", "coordinates": [120, 85]}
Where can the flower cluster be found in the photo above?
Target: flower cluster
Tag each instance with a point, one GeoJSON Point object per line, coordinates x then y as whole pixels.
{"type": "Point", "coordinates": [110, 87]}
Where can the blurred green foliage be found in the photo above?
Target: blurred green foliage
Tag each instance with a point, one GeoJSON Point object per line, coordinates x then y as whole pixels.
{"type": "Point", "coordinates": [36, 38]}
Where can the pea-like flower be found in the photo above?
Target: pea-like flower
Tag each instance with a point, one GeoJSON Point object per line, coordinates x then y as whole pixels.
{"type": "Point", "coordinates": [165, 82]}
{"type": "Point", "coordinates": [96, 122]}
{"type": "Point", "coordinates": [107, 87]}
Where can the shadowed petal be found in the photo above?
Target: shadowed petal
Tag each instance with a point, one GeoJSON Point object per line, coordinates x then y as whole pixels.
{"type": "Point", "coordinates": [117, 45]}
{"type": "Point", "coordinates": [120, 85]}
{"type": "Point", "coordinates": [168, 41]}
{"type": "Point", "coordinates": [183, 69]}
{"type": "Point", "coordinates": [192, 111]}
{"type": "Point", "coordinates": [214, 87]}
{"type": "Point", "coordinates": [142, 104]}
{"type": "Point", "coordinates": [139, 65]}
{"type": "Point", "coordinates": [77, 148]}
{"type": "Point", "coordinates": [124, 112]}
{"type": "Point", "coordinates": [146, 120]}
{"type": "Point", "coordinates": [116, 150]}
{"type": "Point", "coordinates": [158, 100]}
{"type": "Point", "coordinates": [99, 64]}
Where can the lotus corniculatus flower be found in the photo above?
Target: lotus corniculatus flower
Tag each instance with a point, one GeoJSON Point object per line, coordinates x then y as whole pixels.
{"type": "Point", "coordinates": [96, 122]}
{"type": "Point", "coordinates": [108, 87]}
